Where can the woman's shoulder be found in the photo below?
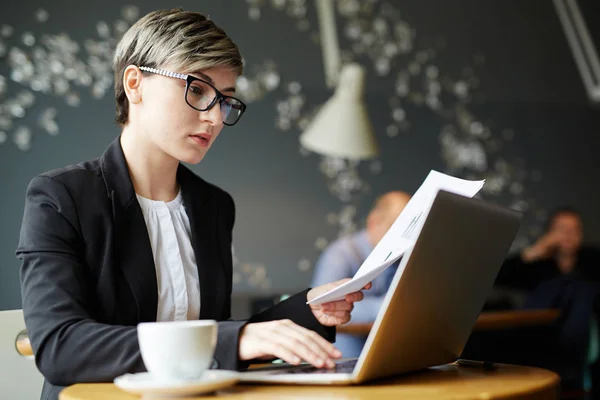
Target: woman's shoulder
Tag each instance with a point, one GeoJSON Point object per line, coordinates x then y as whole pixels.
{"type": "Point", "coordinates": [82, 170]}
{"type": "Point", "coordinates": [82, 177]}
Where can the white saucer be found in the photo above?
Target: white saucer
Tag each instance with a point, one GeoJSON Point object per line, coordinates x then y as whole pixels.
{"type": "Point", "coordinates": [146, 385]}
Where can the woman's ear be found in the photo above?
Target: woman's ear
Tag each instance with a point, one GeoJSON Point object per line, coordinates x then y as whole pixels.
{"type": "Point", "coordinates": [132, 79]}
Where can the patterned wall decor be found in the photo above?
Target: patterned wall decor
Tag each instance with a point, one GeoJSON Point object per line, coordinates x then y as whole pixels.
{"type": "Point", "coordinates": [53, 65]}
{"type": "Point", "coordinates": [375, 30]}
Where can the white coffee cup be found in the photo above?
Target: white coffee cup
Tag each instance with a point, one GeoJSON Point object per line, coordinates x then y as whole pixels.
{"type": "Point", "coordinates": [179, 350]}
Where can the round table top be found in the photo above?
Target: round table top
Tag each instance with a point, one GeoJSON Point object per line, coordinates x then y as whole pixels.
{"type": "Point", "coordinates": [445, 382]}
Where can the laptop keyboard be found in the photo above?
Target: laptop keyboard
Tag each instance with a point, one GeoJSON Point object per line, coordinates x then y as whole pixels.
{"type": "Point", "coordinates": [343, 367]}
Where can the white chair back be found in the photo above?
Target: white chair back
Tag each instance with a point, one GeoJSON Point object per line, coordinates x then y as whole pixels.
{"type": "Point", "coordinates": [19, 376]}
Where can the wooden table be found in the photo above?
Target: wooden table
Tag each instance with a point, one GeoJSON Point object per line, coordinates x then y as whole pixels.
{"type": "Point", "coordinates": [445, 382]}
{"type": "Point", "coordinates": [493, 320]}
{"type": "Point", "coordinates": [487, 321]}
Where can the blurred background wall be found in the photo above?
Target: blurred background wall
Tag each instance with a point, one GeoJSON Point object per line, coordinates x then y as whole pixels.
{"type": "Point", "coordinates": [475, 88]}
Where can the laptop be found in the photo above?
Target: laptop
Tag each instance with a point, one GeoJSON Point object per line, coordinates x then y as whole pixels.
{"type": "Point", "coordinates": [433, 301]}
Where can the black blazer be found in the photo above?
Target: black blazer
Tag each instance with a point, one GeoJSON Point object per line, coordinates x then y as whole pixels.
{"type": "Point", "coordinates": [88, 275]}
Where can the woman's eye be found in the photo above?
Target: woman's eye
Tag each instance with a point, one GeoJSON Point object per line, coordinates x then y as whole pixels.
{"type": "Point", "coordinates": [196, 90]}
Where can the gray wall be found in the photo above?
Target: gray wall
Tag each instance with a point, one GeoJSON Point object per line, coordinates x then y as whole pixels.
{"type": "Point", "coordinates": [529, 84]}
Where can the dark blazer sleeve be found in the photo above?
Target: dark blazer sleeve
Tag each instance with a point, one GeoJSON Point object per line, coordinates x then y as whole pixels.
{"type": "Point", "coordinates": [226, 352]}
{"type": "Point", "coordinates": [69, 345]}
{"type": "Point", "coordinates": [296, 310]}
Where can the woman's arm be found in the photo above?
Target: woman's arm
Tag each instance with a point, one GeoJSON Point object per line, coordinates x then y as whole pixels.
{"type": "Point", "coordinates": [69, 345]}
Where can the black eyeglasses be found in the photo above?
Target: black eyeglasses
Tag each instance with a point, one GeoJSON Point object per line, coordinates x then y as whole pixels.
{"type": "Point", "coordinates": [202, 96]}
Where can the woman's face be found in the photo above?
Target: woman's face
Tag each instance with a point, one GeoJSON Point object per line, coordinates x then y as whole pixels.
{"type": "Point", "coordinates": [171, 124]}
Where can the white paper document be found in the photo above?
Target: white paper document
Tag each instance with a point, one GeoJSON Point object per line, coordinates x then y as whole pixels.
{"type": "Point", "coordinates": [403, 233]}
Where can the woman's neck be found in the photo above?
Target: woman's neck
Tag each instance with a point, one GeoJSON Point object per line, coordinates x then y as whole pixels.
{"type": "Point", "coordinates": [152, 171]}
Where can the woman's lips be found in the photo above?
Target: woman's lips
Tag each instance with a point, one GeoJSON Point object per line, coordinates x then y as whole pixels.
{"type": "Point", "coordinates": [202, 139]}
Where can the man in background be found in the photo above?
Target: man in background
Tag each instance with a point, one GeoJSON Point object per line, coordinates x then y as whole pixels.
{"type": "Point", "coordinates": [559, 252]}
{"type": "Point", "coordinates": [558, 271]}
{"type": "Point", "coordinates": [343, 258]}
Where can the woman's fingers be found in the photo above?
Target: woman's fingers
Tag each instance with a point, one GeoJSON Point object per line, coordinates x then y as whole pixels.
{"type": "Point", "coordinates": [342, 305]}
{"type": "Point", "coordinates": [314, 340]}
{"type": "Point", "coordinates": [281, 351]}
{"type": "Point", "coordinates": [354, 297]}
{"type": "Point", "coordinates": [309, 345]}
{"type": "Point", "coordinates": [301, 348]}
{"type": "Point", "coordinates": [345, 304]}
{"type": "Point", "coordinates": [337, 306]}
{"type": "Point", "coordinates": [339, 314]}
{"type": "Point", "coordinates": [338, 317]}
{"type": "Point", "coordinates": [286, 340]}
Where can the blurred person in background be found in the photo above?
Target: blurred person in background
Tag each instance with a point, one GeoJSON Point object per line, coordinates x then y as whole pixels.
{"type": "Point", "coordinates": [560, 251]}
{"type": "Point", "coordinates": [559, 272]}
{"type": "Point", "coordinates": [343, 258]}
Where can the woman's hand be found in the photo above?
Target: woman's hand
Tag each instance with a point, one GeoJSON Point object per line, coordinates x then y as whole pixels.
{"type": "Point", "coordinates": [338, 312]}
{"type": "Point", "coordinates": [286, 340]}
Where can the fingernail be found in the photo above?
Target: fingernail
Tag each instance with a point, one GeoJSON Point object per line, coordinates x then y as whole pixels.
{"type": "Point", "coordinates": [337, 353]}
{"type": "Point", "coordinates": [296, 360]}
{"type": "Point", "coordinates": [320, 362]}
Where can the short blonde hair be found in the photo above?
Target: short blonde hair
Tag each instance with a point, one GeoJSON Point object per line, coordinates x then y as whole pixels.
{"type": "Point", "coordinates": [184, 40]}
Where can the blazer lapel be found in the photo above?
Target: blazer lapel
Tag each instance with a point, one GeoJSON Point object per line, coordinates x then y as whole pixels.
{"type": "Point", "coordinates": [202, 213]}
{"type": "Point", "coordinates": [134, 251]}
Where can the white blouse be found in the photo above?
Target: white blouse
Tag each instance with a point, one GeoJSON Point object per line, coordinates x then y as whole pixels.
{"type": "Point", "coordinates": [176, 271]}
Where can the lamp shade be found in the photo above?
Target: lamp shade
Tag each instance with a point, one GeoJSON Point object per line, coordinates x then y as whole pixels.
{"type": "Point", "coordinates": [342, 127]}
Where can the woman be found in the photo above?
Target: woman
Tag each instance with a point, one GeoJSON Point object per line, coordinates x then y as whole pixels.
{"type": "Point", "coordinates": [135, 236]}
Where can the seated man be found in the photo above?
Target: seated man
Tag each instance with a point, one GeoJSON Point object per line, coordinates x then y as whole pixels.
{"type": "Point", "coordinates": [557, 271]}
{"type": "Point", "coordinates": [345, 256]}
{"type": "Point", "coordinates": [559, 252]}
